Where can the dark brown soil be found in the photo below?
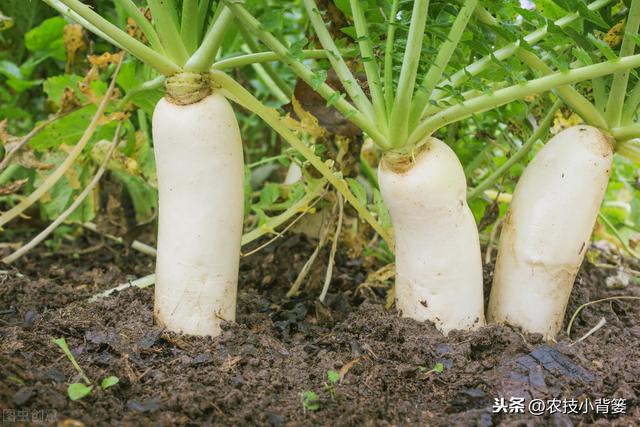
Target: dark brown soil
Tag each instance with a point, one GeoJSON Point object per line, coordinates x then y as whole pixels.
{"type": "Point", "coordinates": [256, 372]}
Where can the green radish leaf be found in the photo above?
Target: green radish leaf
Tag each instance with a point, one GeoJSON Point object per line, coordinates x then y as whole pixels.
{"type": "Point", "coordinates": [272, 20]}
{"type": "Point", "coordinates": [109, 382]}
{"type": "Point", "coordinates": [358, 190]}
{"type": "Point", "coordinates": [147, 100]}
{"type": "Point", "coordinates": [127, 78]}
{"type": "Point", "coordinates": [69, 129]}
{"type": "Point", "coordinates": [269, 195]}
{"type": "Point", "coordinates": [333, 377]}
{"type": "Point", "coordinates": [10, 70]}
{"type": "Point", "coordinates": [591, 16]}
{"type": "Point", "coordinates": [247, 191]}
{"type": "Point", "coordinates": [350, 31]}
{"type": "Point", "coordinates": [297, 47]}
{"type": "Point", "coordinates": [344, 6]}
{"type": "Point", "coordinates": [549, 9]}
{"type": "Point", "coordinates": [438, 368]}
{"type": "Point", "coordinates": [55, 88]}
{"type": "Point", "coordinates": [310, 401]}
{"type": "Point", "coordinates": [47, 38]}
{"type": "Point", "coordinates": [262, 216]}
{"type": "Point", "coordinates": [616, 212]}
{"type": "Point", "coordinates": [318, 78]}
{"type": "Point", "coordinates": [603, 48]}
{"type": "Point", "coordinates": [77, 391]}
{"type": "Point", "coordinates": [22, 85]}
{"type": "Point", "coordinates": [143, 196]}
{"type": "Point", "coordinates": [381, 209]}
{"type": "Point", "coordinates": [582, 56]}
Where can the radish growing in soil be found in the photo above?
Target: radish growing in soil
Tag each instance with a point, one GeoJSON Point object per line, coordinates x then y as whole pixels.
{"type": "Point", "coordinates": [199, 164]}
{"type": "Point", "coordinates": [556, 203]}
{"type": "Point", "coordinates": [547, 230]}
{"type": "Point", "coordinates": [199, 157]}
{"type": "Point", "coordinates": [400, 119]}
{"type": "Point", "coordinates": [438, 265]}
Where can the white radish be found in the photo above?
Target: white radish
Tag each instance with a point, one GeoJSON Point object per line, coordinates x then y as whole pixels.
{"type": "Point", "coordinates": [438, 260]}
{"type": "Point", "coordinates": [200, 176]}
{"type": "Point", "coordinates": [547, 230]}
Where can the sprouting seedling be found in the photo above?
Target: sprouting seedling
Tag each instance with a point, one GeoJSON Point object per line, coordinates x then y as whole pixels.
{"type": "Point", "coordinates": [77, 391]}
{"type": "Point", "coordinates": [333, 378]}
{"type": "Point", "coordinates": [109, 381]}
{"type": "Point", "coordinates": [438, 368]}
{"type": "Point", "coordinates": [310, 401]}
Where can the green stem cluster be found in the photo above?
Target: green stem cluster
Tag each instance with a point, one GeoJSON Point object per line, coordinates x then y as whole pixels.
{"type": "Point", "coordinates": [401, 117]}
{"type": "Point", "coordinates": [237, 93]}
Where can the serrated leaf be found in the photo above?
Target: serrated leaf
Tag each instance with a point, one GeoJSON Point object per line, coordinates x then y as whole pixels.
{"type": "Point", "coordinates": [603, 48]}
{"type": "Point", "coordinates": [350, 31]}
{"type": "Point", "coordinates": [582, 56]}
{"type": "Point", "coordinates": [77, 391]}
{"type": "Point", "coordinates": [318, 78]}
{"type": "Point", "coordinates": [591, 16]}
{"type": "Point", "coordinates": [62, 194]}
{"type": "Point", "coordinates": [296, 48]}
{"type": "Point", "coordinates": [334, 99]}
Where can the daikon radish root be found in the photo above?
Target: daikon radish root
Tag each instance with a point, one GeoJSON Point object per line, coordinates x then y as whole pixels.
{"type": "Point", "coordinates": [200, 176]}
{"type": "Point", "coordinates": [547, 230]}
{"type": "Point", "coordinates": [438, 259]}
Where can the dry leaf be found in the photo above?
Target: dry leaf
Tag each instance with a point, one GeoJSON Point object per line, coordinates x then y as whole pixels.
{"type": "Point", "coordinates": [73, 38]}
{"type": "Point", "coordinates": [347, 367]}
{"type": "Point", "coordinates": [13, 187]}
{"type": "Point", "coordinates": [614, 36]}
{"type": "Point", "coordinates": [328, 117]}
{"type": "Point", "coordinates": [69, 101]}
{"type": "Point", "coordinates": [4, 136]}
{"type": "Point", "coordinates": [104, 60]}
{"type": "Point", "coordinates": [27, 159]}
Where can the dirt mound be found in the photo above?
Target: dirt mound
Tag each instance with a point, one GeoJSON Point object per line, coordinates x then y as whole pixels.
{"type": "Point", "coordinates": [271, 366]}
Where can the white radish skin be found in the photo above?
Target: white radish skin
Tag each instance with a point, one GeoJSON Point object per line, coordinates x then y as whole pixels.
{"type": "Point", "coordinates": [200, 175]}
{"type": "Point", "coordinates": [438, 260]}
{"type": "Point", "coordinates": [547, 230]}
